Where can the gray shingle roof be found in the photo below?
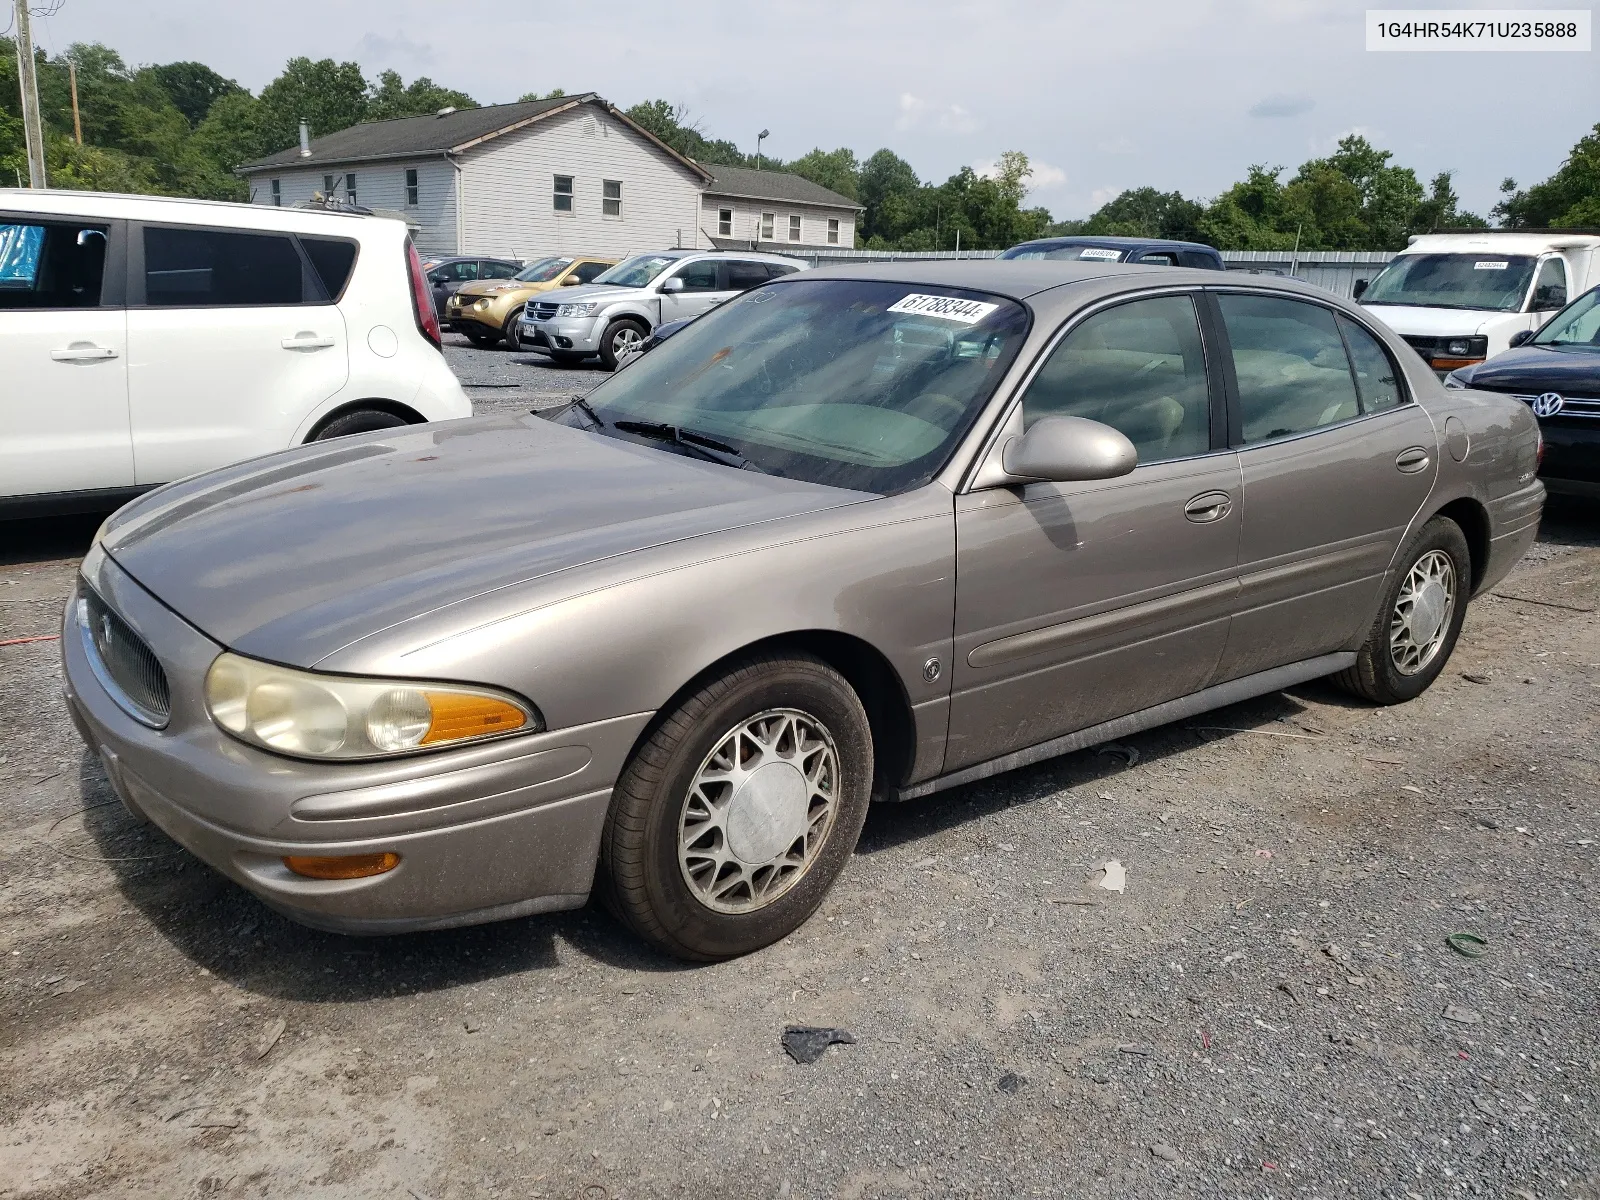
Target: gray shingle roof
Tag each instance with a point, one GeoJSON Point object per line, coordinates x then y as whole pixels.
{"type": "Point", "coordinates": [773, 185]}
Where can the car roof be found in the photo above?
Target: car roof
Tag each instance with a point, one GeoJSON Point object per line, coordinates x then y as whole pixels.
{"type": "Point", "coordinates": [1492, 242]}
{"type": "Point", "coordinates": [179, 210]}
{"type": "Point", "coordinates": [1113, 243]}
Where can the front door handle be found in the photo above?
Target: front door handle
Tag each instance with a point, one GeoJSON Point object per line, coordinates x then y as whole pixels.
{"type": "Point", "coordinates": [83, 352]}
{"type": "Point", "coordinates": [1208, 506]}
{"type": "Point", "coordinates": [306, 341]}
{"type": "Point", "coordinates": [1412, 459]}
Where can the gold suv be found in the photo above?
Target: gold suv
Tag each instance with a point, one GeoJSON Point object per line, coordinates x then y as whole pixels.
{"type": "Point", "coordinates": [490, 309]}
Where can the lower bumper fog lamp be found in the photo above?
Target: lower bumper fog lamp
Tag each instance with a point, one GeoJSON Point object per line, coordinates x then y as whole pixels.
{"type": "Point", "coordinates": [342, 866]}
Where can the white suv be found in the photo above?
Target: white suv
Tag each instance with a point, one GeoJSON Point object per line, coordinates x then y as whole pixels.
{"type": "Point", "coordinates": [143, 339]}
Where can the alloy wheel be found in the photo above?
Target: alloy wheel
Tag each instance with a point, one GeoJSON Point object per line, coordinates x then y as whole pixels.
{"type": "Point", "coordinates": [625, 343]}
{"type": "Point", "coordinates": [758, 811]}
{"type": "Point", "coordinates": [1422, 612]}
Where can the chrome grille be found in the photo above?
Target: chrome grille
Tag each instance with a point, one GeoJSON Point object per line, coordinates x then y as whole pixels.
{"type": "Point", "coordinates": [1571, 406]}
{"type": "Point", "coordinates": [122, 662]}
{"type": "Point", "coordinates": [543, 312]}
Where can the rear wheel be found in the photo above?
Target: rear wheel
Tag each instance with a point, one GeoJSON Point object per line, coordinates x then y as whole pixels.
{"type": "Point", "coordinates": [362, 420]}
{"type": "Point", "coordinates": [1416, 630]}
{"type": "Point", "coordinates": [733, 819]}
{"type": "Point", "coordinates": [622, 340]}
{"type": "Point", "coordinates": [512, 331]}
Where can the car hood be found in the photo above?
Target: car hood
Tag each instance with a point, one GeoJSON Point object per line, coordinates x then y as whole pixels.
{"type": "Point", "coordinates": [292, 556]}
{"type": "Point", "coordinates": [1529, 370]}
{"type": "Point", "coordinates": [603, 292]}
{"type": "Point", "coordinates": [499, 287]}
{"type": "Point", "coordinates": [1417, 321]}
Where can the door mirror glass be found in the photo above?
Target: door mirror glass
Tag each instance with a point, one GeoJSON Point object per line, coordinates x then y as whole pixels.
{"type": "Point", "coordinates": [674, 284]}
{"type": "Point", "coordinates": [1521, 336]}
{"type": "Point", "coordinates": [1361, 288]}
{"type": "Point", "coordinates": [1069, 450]}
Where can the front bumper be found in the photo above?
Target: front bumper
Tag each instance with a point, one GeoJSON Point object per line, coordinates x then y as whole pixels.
{"type": "Point", "coordinates": [484, 832]}
{"type": "Point", "coordinates": [1571, 455]}
{"type": "Point", "coordinates": [566, 335]}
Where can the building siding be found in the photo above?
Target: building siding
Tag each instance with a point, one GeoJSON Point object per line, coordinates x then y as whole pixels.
{"type": "Point", "coordinates": [508, 184]}
{"type": "Point", "coordinates": [747, 217]}
{"type": "Point", "coordinates": [380, 185]}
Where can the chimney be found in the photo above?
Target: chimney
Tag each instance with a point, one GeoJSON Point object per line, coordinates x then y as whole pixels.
{"type": "Point", "coordinates": [305, 140]}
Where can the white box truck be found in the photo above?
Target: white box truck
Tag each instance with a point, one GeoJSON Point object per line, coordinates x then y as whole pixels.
{"type": "Point", "coordinates": [1459, 298]}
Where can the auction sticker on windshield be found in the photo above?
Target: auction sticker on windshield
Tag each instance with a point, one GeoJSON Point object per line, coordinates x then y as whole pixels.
{"type": "Point", "coordinates": [1490, 266]}
{"type": "Point", "coordinates": [951, 308]}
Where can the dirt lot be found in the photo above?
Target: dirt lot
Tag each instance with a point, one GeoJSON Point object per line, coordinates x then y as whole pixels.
{"type": "Point", "coordinates": [1270, 1009]}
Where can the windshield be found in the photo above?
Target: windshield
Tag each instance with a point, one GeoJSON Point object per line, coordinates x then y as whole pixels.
{"type": "Point", "coordinates": [1578, 324]}
{"type": "Point", "coordinates": [861, 385]}
{"type": "Point", "coordinates": [1071, 253]}
{"type": "Point", "coordinates": [543, 271]}
{"type": "Point", "coordinates": [1496, 282]}
{"type": "Point", "coordinates": [636, 271]}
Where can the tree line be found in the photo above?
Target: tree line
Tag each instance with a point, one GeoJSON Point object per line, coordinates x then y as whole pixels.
{"type": "Point", "coordinates": [181, 129]}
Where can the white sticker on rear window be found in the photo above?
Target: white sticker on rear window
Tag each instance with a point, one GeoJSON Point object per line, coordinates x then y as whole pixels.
{"type": "Point", "coordinates": [1104, 255]}
{"type": "Point", "coordinates": [951, 308]}
{"type": "Point", "coordinates": [1499, 265]}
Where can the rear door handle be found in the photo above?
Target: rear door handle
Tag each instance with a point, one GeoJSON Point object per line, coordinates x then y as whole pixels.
{"type": "Point", "coordinates": [83, 354]}
{"type": "Point", "coordinates": [1412, 459]}
{"type": "Point", "coordinates": [1208, 506]}
{"type": "Point", "coordinates": [307, 341]}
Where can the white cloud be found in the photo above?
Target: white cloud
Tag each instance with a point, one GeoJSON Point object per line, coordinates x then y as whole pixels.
{"type": "Point", "coordinates": [1103, 195]}
{"type": "Point", "coordinates": [949, 118]}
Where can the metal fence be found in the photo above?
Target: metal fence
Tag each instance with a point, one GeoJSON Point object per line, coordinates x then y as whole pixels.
{"type": "Point", "coordinates": [1336, 270]}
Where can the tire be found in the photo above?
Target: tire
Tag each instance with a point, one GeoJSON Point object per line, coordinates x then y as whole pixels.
{"type": "Point", "coordinates": [565, 358]}
{"type": "Point", "coordinates": [362, 420]}
{"type": "Point", "coordinates": [1395, 664]}
{"type": "Point", "coordinates": [621, 341]}
{"type": "Point", "coordinates": [660, 877]}
{"type": "Point", "coordinates": [481, 338]}
{"type": "Point", "coordinates": [512, 333]}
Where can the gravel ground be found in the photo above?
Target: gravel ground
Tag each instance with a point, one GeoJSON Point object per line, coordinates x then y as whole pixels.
{"type": "Point", "coordinates": [1268, 1010]}
{"type": "Point", "coordinates": [500, 381]}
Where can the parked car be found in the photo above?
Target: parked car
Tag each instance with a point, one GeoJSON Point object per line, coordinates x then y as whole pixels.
{"type": "Point", "coordinates": [490, 310]}
{"type": "Point", "coordinates": [1556, 373]}
{"type": "Point", "coordinates": [447, 275]}
{"type": "Point", "coordinates": [1148, 252]}
{"type": "Point", "coordinates": [613, 315]}
{"type": "Point", "coordinates": [1459, 298]}
{"type": "Point", "coordinates": [863, 532]}
{"type": "Point", "coordinates": [143, 339]}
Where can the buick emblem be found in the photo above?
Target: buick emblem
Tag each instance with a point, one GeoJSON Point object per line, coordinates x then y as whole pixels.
{"type": "Point", "coordinates": [1547, 404]}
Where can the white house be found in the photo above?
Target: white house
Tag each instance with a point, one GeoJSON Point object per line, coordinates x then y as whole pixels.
{"type": "Point", "coordinates": [570, 175]}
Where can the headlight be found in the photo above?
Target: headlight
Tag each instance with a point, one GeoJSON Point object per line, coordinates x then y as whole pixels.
{"type": "Point", "coordinates": [308, 715]}
{"type": "Point", "coordinates": [480, 304]}
{"type": "Point", "coordinates": [577, 310]}
{"type": "Point", "coordinates": [1456, 348]}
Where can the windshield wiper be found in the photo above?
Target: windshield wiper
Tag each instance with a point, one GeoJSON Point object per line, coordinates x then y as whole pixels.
{"type": "Point", "coordinates": [707, 447]}
{"type": "Point", "coordinates": [583, 406]}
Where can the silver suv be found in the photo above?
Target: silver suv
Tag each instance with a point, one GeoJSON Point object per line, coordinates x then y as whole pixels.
{"type": "Point", "coordinates": [613, 315]}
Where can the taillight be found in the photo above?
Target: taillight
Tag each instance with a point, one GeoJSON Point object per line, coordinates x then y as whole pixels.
{"type": "Point", "coordinates": [422, 299]}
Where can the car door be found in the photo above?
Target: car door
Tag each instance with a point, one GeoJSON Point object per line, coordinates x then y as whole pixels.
{"type": "Point", "coordinates": [742, 274]}
{"type": "Point", "coordinates": [702, 290]}
{"type": "Point", "coordinates": [231, 344]}
{"type": "Point", "coordinates": [1080, 602]}
{"type": "Point", "coordinates": [1549, 290]}
{"type": "Point", "coordinates": [63, 356]}
{"type": "Point", "coordinates": [445, 281]}
{"type": "Point", "coordinates": [1336, 461]}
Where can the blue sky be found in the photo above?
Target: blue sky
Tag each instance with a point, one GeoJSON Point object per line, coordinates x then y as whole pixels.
{"type": "Point", "coordinates": [1176, 94]}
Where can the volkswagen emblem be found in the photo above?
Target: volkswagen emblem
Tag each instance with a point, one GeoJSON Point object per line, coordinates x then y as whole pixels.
{"type": "Point", "coordinates": [1547, 404]}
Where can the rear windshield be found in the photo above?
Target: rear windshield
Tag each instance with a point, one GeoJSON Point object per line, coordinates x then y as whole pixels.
{"type": "Point", "coordinates": [861, 385]}
{"type": "Point", "coordinates": [1495, 282]}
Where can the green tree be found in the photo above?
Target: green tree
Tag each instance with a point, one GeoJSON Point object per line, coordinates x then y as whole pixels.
{"type": "Point", "coordinates": [888, 190]}
{"type": "Point", "coordinates": [390, 97]}
{"type": "Point", "coordinates": [836, 170]}
{"type": "Point", "coordinates": [193, 88]}
{"type": "Point", "coordinates": [1570, 197]}
{"type": "Point", "coordinates": [330, 96]}
{"type": "Point", "coordinates": [1145, 212]}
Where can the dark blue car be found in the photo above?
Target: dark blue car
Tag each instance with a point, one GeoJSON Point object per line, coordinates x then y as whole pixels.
{"type": "Point", "coordinates": [1151, 252]}
{"type": "Point", "coordinates": [1556, 372]}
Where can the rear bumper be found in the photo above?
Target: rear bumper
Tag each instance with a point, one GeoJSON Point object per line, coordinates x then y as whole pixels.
{"type": "Point", "coordinates": [1513, 524]}
{"type": "Point", "coordinates": [498, 830]}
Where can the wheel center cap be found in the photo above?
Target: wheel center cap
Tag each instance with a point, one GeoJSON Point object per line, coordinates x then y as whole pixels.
{"type": "Point", "coordinates": [767, 813]}
{"type": "Point", "coordinates": [1427, 612]}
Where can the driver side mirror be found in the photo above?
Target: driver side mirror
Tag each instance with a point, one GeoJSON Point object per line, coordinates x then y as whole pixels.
{"type": "Point", "coordinates": [1521, 336]}
{"type": "Point", "coordinates": [1360, 289]}
{"type": "Point", "coordinates": [1068, 450]}
{"type": "Point", "coordinates": [571, 281]}
{"type": "Point", "coordinates": [674, 284]}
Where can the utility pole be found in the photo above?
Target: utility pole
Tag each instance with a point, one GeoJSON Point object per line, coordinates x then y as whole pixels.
{"type": "Point", "coordinates": [32, 130]}
{"type": "Point", "coordinates": [77, 122]}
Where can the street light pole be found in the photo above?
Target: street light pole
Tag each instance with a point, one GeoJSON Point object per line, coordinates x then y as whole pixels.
{"type": "Point", "coordinates": [760, 137]}
{"type": "Point", "coordinates": [32, 130]}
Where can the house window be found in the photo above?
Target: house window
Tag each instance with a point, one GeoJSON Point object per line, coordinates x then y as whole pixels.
{"type": "Point", "coordinates": [564, 193]}
{"type": "Point", "coordinates": [277, 192]}
{"type": "Point", "coordinates": [350, 187]}
{"type": "Point", "coordinates": [766, 226]}
{"type": "Point", "coordinates": [327, 186]}
{"type": "Point", "coordinates": [611, 197]}
{"type": "Point", "coordinates": [794, 228]}
{"type": "Point", "coordinates": [724, 222]}
{"type": "Point", "coordinates": [833, 231]}
{"type": "Point", "coordinates": [411, 187]}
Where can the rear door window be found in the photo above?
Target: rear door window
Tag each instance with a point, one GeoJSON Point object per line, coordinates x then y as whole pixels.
{"type": "Point", "coordinates": [1140, 368]}
{"type": "Point", "coordinates": [743, 275]}
{"type": "Point", "coordinates": [52, 264]}
{"type": "Point", "coordinates": [1291, 366]}
{"type": "Point", "coordinates": [1159, 258]}
{"type": "Point", "coordinates": [208, 268]}
{"type": "Point", "coordinates": [332, 259]}
{"type": "Point", "coordinates": [699, 276]}
{"type": "Point", "coordinates": [496, 270]}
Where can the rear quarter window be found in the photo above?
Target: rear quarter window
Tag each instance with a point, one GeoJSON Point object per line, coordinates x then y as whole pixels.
{"type": "Point", "coordinates": [333, 259]}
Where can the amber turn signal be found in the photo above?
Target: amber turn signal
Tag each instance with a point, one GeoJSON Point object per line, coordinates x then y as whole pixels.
{"type": "Point", "coordinates": [458, 715]}
{"type": "Point", "coordinates": [341, 866]}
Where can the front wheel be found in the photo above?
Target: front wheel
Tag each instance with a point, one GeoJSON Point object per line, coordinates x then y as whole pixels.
{"type": "Point", "coordinates": [1419, 622]}
{"type": "Point", "coordinates": [734, 818]}
{"type": "Point", "coordinates": [481, 338]}
{"type": "Point", "coordinates": [512, 331]}
{"type": "Point", "coordinates": [621, 342]}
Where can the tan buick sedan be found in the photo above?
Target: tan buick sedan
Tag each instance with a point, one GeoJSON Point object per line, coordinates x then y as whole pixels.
{"type": "Point", "coordinates": [859, 534]}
